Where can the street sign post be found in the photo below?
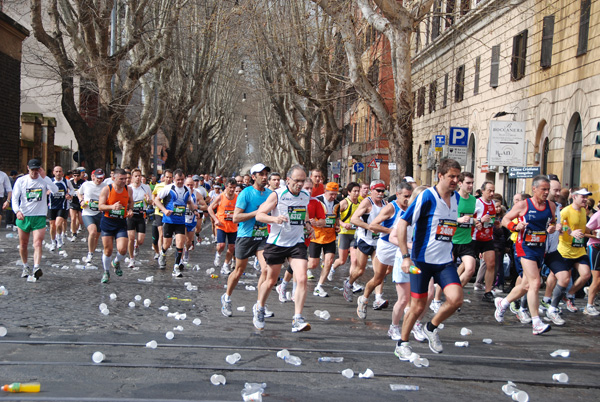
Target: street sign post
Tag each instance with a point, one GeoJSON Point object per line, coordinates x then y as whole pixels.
{"type": "Point", "coordinates": [373, 164]}
{"type": "Point", "coordinates": [440, 141]}
{"type": "Point", "coordinates": [527, 172]}
{"type": "Point", "coordinates": [459, 154]}
{"type": "Point", "coordinates": [358, 167]}
{"type": "Point", "coordinates": [392, 166]}
{"type": "Point", "coordinates": [459, 136]}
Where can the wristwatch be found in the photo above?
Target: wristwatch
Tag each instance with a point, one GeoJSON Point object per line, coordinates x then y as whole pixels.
{"type": "Point", "coordinates": [405, 256]}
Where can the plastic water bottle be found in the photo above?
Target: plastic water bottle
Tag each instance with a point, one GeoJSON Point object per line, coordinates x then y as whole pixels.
{"type": "Point", "coordinates": [404, 387]}
{"type": "Point", "coordinates": [22, 387]}
{"type": "Point", "coordinates": [284, 212]}
{"type": "Point", "coordinates": [464, 344]}
{"type": "Point", "coordinates": [295, 360]}
{"type": "Point", "coordinates": [329, 359]}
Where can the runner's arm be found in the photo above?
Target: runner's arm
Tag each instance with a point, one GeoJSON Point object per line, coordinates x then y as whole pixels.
{"type": "Point", "coordinates": [262, 215]}
{"type": "Point", "coordinates": [363, 208]}
{"type": "Point", "coordinates": [385, 213]}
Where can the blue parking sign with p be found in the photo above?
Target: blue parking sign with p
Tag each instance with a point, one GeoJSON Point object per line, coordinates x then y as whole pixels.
{"type": "Point", "coordinates": [459, 136]}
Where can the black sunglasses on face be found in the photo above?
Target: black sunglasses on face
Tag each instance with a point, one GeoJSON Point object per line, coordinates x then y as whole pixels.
{"type": "Point", "coordinates": [380, 190]}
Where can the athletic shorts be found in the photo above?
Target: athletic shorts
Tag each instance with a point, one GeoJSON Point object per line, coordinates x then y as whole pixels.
{"type": "Point", "coordinates": [482, 246]}
{"type": "Point", "coordinates": [346, 241]}
{"type": "Point", "coordinates": [314, 249]}
{"type": "Point", "coordinates": [517, 260]}
{"type": "Point", "coordinates": [245, 247]}
{"type": "Point", "coordinates": [398, 275]}
{"type": "Point", "coordinates": [170, 229]}
{"type": "Point", "coordinates": [442, 274]}
{"type": "Point", "coordinates": [155, 235]}
{"type": "Point", "coordinates": [75, 205]}
{"type": "Point", "coordinates": [594, 253]}
{"type": "Point", "coordinates": [463, 250]}
{"type": "Point", "coordinates": [365, 248]}
{"type": "Point", "coordinates": [137, 223]}
{"type": "Point", "coordinates": [31, 223]}
{"type": "Point", "coordinates": [92, 220]}
{"type": "Point", "coordinates": [570, 262]}
{"type": "Point", "coordinates": [222, 236]}
{"type": "Point", "coordinates": [157, 220]}
{"type": "Point", "coordinates": [56, 213]}
{"type": "Point", "coordinates": [190, 227]}
{"type": "Point", "coordinates": [113, 227]}
{"type": "Point", "coordinates": [275, 255]}
{"type": "Point", "coordinates": [386, 252]}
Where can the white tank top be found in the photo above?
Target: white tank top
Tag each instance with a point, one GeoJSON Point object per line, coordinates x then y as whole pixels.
{"type": "Point", "coordinates": [296, 208]}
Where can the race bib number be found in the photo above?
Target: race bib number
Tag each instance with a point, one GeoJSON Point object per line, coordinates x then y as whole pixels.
{"type": "Point", "coordinates": [178, 210]}
{"type": "Point", "coordinates": [138, 207]}
{"type": "Point", "coordinates": [468, 224]}
{"type": "Point", "coordinates": [59, 194]}
{"type": "Point", "coordinates": [260, 231]}
{"type": "Point", "coordinates": [93, 205]}
{"type": "Point", "coordinates": [445, 230]}
{"type": "Point", "coordinates": [119, 213]}
{"type": "Point", "coordinates": [330, 220]}
{"type": "Point", "coordinates": [535, 238]}
{"type": "Point", "coordinates": [297, 215]}
{"type": "Point", "coordinates": [578, 243]}
{"type": "Point", "coordinates": [490, 223]}
{"type": "Point", "coordinates": [33, 194]}
{"type": "Point", "coordinates": [375, 236]}
{"type": "Point", "coordinates": [229, 215]}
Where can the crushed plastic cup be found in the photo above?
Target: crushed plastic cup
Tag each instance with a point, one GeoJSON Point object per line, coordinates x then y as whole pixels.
{"type": "Point", "coordinates": [250, 287]}
{"type": "Point", "coordinates": [217, 379]}
{"type": "Point", "coordinates": [465, 331]}
{"type": "Point", "coordinates": [560, 377]}
{"type": "Point", "coordinates": [164, 308]}
{"type": "Point", "coordinates": [253, 397]}
{"type": "Point", "coordinates": [487, 340]}
{"type": "Point", "coordinates": [252, 392]}
{"type": "Point", "coordinates": [152, 345]}
{"type": "Point", "coordinates": [561, 352]}
{"type": "Point", "coordinates": [178, 328]}
{"type": "Point", "coordinates": [520, 396]}
{"type": "Point", "coordinates": [181, 316]}
{"type": "Point", "coordinates": [330, 359]}
{"type": "Point", "coordinates": [233, 359]}
{"type": "Point", "coordinates": [102, 306]}
{"type": "Point", "coordinates": [197, 321]}
{"type": "Point", "coordinates": [404, 387]}
{"type": "Point", "coordinates": [509, 388]}
{"type": "Point", "coordinates": [131, 304]}
{"type": "Point", "coordinates": [170, 335]}
{"type": "Point", "coordinates": [3, 332]}
{"type": "Point", "coordinates": [98, 357]}
{"type": "Point", "coordinates": [113, 296]}
{"type": "Point", "coordinates": [282, 354]}
{"type": "Point", "coordinates": [242, 308]}
{"type": "Point", "coordinates": [367, 374]}
{"type": "Point", "coordinates": [421, 362]}
{"type": "Point", "coordinates": [31, 278]}
{"type": "Point", "coordinates": [464, 344]}
{"type": "Point", "coordinates": [210, 271]}
{"type": "Point", "coordinates": [348, 373]}
{"type": "Point", "coordinates": [138, 298]}
{"type": "Point", "coordinates": [147, 302]}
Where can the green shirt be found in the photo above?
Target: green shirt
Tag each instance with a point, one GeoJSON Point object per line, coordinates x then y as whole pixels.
{"type": "Point", "coordinates": [463, 234]}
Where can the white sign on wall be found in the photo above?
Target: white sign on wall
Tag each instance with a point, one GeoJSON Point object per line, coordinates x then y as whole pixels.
{"type": "Point", "coordinates": [506, 146]}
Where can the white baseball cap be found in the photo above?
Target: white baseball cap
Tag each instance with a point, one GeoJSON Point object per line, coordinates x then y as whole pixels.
{"type": "Point", "coordinates": [409, 179]}
{"type": "Point", "coordinates": [582, 191]}
{"type": "Point", "coordinates": [259, 167]}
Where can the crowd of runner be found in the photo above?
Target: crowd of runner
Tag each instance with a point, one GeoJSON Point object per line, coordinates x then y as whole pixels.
{"type": "Point", "coordinates": [430, 239]}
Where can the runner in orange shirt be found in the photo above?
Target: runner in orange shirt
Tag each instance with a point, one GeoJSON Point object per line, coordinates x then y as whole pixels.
{"type": "Point", "coordinates": [224, 204]}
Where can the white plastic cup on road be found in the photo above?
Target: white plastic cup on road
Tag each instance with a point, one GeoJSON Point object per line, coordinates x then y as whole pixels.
{"type": "Point", "coordinates": [102, 306]}
{"type": "Point", "coordinates": [561, 352]}
{"type": "Point", "coordinates": [367, 374]}
{"type": "Point", "coordinates": [233, 359]}
{"type": "Point", "coordinates": [282, 354]}
{"type": "Point", "coordinates": [105, 311]}
{"type": "Point", "coordinates": [520, 396]}
{"type": "Point", "coordinates": [152, 344]}
{"type": "Point", "coordinates": [3, 332]}
{"type": "Point", "coordinates": [217, 379]}
{"type": "Point", "coordinates": [197, 321]}
{"type": "Point", "coordinates": [132, 304]}
{"type": "Point", "coordinates": [242, 309]}
{"type": "Point", "coordinates": [348, 373]}
{"type": "Point", "coordinates": [138, 298]}
{"type": "Point", "coordinates": [487, 340]}
{"type": "Point", "coordinates": [147, 302]}
{"type": "Point", "coordinates": [113, 296]}
{"type": "Point", "coordinates": [466, 331]}
{"type": "Point", "coordinates": [560, 377]}
{"type": "Point", "coordinates": [170, 335]}
{"type": "Point", "coordinates": [464, 344]}
{"type": "Point", "coordinates": [98, 357]}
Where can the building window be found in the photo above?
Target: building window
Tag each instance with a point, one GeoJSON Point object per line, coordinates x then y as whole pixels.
{"type": "Point", "coordinates": [471, 155]}
{"type": "Point", "coordinates": [572, 161]}
{"type": "Point", "coordinates": [459, 87]}
{"type": "Point", "coordinates": [465, 6]}
{"type": "Point", "coordinates": [445, 102]}
{"type": "Point", "coordinates": [355, 133]}
{"type": "Point", "coordinates": [476, 81]}
{"type": "Point", "coordinates": [584, 27]}
{"type": "Point", "coordinates": [432, 96]}
{"type": "Point", "coordinates": [436, 22]}
{"type": "Point", "coordinates": [545, 152]}
{"type": "Point", "coordinates": [495, 67]}
{"type": "Point", "coordinates": [449, 13]}
{"type": "Point", "coordinates": [547, 39]}
{"type": "Point", "coordinates": [421, 102]}
{"type": "Point", "coordinates": [517, 65]}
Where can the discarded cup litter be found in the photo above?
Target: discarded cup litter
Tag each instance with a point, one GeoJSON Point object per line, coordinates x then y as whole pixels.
{"type": "Point", "coordinates": [138, 298]}
{"type": "Point", "coordinates": [113, 296]}
{"type": "Point", "coordinates": [487, 340]}
{"type": "Point", "coordinates": [170, 335]}
{"type": "Point", "coordinates": [561, 352]}
{"type": "Point", "coordinates": [464, 344]}
{"type": "Point", "coordinates": [152, 344]}
{"type": "Point", "coordinates": [282, 354]}
{"type": "Point", "coordinates": [367, 374]}
{"type": "Point", "coordinates": [560, 377]}
{"type": "Point", "coordinates": [217, 379]}
{"type": "Point", "coordinates": [329, 359]}
{"type": "Point", "coordinates": [132, 304]}
{"type": "Point", "coordinates": [147, 302]}
{"type": "Point", "coordinates": [197, 321]}
{"type": "Point", "coordinates": [404, 387]}
{"type": "Point", "coordinates": [466, 331]}
{"type": "Point", "coordinates": [242, 308]}
{"type": "Point", "coordinates": [348, 373]}
{"type": "Point", "coordinates": [98, 357]}
{"type": "Point", "coordinates": [3, 332]}
{"type": "Point", "coordinates": [233, 359]}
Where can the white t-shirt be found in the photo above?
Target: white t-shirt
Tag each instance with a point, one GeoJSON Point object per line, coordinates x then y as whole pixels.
{"type": "Point", "coordinates": [90, 192]}
{"type": "Point", "coordinates": [202, 191]}
{"type": "Point", "coordinates": [29, 195]}
{"type": "Point", "coordinates": [5, 187]}
{"type": "Point", "coordinates": [295, 206]}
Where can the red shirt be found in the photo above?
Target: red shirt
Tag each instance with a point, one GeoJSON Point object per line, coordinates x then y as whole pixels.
{"type": "Point", "coordinates": [317, 190]}
{"type": "Point", "coordinates": [315, 211]}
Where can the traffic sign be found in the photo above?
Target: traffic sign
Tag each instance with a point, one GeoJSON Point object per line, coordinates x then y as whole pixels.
{"type": "Point", "coordinates": [372, 164]}
{"type": "Point", "coordinates": [459, 136]}
{"type": "Point", "coordinates": [392, 166]}
{"type": "Point", "coordinates": [459, 154]}
{"type": "Point", "coordinates": [358, 167]}
{"type": "Point", "coordinates": [440, 141]}
{"type": "Point", "coordinates": [523, 172]}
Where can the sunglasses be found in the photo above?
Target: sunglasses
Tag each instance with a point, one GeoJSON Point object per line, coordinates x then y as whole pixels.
{"type": "Point", "coordinates": [379, 190]}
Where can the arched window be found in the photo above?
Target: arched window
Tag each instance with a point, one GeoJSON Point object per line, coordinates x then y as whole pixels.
{"type": "Point", "coordinates": [545, 151]}
{"type": "Point", "coordinates": [471, 155]}
{"type": "Point", "coordinates": [573, 145]}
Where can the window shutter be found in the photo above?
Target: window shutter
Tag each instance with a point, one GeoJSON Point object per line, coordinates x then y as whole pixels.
{"type": "Point", "coordinates": [495, 66]}
{"type": "Point", "coordinates": [445, 103]}
{"type": "Point", "coordinates": [547, 39]}
{"type": "Point", "coordinates": [523, 55]}
{"type": "Point", "coordinates": [476, 81]}
{"type": "Point", "coordinates": [584, 27]}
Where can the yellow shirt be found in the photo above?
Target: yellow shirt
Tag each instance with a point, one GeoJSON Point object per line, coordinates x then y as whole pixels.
{"type": "Point", "coordinates": [156, 190]}
{"type": "Point", "coordinates": [568, 246]}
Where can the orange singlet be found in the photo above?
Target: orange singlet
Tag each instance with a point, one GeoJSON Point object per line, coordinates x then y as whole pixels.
{"type": "Point", "coordinates": [113, 197]}
{"type": "Point", "coordinates": [225, 213]}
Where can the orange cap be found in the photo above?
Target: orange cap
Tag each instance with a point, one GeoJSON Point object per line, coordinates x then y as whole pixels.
{"type": "Point", "coordinates": [332, 186]}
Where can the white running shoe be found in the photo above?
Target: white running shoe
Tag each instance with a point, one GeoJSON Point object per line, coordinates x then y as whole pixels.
{"type": "Point", "coordinates": [217, 261]}
{"type": "Point", "coordinates": [225, 269]}
{"type": "Point", "coordinates": [320, 292]}
{"type": "Point", "coordinates": [131, 263]}
{"type": "Point", "coordinates": [435, 305]}
{"type": "Point", "coordinates": [394, 332]}
{"type": "Point", "coordinates": [281, 292]}
{"type": "Point", "coordinates": [356, 287]}
{"type": "Point", "coordinates": [330, 274]}
{"type": "Point", "coordinates": [555, 317]}
{"type": "Point", "coordinates": [417, 332]}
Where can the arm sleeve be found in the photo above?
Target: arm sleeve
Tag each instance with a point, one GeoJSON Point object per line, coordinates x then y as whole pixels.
{"type": "Point", "coordinates": [478, 209]}
{"type": "Point", "coordinates": [6, 184]}
{"type": "Point", "coordinates": [164, 192]}
{"type": "Point", "coordinates": [16, 196]}
{"type": "Point", "coordinates": [51, 186]}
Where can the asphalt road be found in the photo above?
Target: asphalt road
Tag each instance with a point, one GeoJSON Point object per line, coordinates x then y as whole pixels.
{"type": "Point", "coordinates": [55, 325]}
